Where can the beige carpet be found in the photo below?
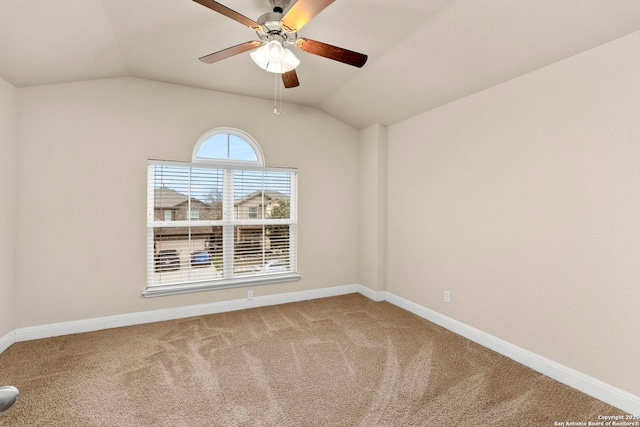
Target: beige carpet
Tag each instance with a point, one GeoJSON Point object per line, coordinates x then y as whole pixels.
{"type": "Point", "coordinates": [340, 361]}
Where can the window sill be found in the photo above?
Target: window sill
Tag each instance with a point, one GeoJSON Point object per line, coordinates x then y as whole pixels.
{"type": "Point", "coordinates": [185, 288]}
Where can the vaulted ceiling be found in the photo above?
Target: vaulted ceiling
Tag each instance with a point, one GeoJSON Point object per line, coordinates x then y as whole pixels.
{"type": "Point", "coordinates": [422, 53]}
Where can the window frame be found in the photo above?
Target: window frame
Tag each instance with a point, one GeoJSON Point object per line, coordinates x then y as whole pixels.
{"type": "Point", "coordinates": [228, 223]}
{"type": "Point", "coordinates": [252, 212]}
{"type": "Point", "coordinates": [228, 162]}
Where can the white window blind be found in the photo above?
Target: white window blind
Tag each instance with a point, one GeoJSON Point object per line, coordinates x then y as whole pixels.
{"type": "Point", "coordinates": [244, 232]}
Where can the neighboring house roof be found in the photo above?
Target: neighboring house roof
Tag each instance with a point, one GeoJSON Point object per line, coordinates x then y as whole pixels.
{"type": "Point", "coordinates": [268, 196]}
{"type": "Point", "coordinates": [167, 198]}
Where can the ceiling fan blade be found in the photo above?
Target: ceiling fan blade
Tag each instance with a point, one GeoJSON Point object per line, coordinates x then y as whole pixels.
{"type": "Point", "coordinates": [214, 5]}
{"type": "Point", "coordinates": [230, 51]}
{"type": "Point", "coordinates": [290, 79]}
{"type": "Point", "coordinates": [301, 13]}
{"type": "Point", "coordinates": [332, 52]}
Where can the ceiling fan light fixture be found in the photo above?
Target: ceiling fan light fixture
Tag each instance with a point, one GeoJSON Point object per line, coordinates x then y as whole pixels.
{"type": "Point", "coordinates": [275, 58]}
{"type": "Point", "coordinates": [290, 61]}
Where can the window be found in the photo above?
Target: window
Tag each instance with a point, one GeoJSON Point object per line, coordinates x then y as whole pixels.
{"type": "Point", "coordinates": [229, 145]}
{"type": "Point", "coordinates": [233, 222]}
{"type": "Point", "coordinates": [167, 215]}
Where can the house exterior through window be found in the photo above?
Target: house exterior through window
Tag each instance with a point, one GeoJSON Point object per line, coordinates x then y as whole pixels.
{"type": "Point", "coordinates": [221, 221]}
{"type": "Point", "coordinates": [253, 212]}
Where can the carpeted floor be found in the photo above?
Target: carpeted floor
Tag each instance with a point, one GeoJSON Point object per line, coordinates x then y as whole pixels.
{"type": "Point", "coordinates": [340, 361]}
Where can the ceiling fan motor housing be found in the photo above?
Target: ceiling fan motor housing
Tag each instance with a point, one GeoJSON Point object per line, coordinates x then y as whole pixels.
{"type": "Point", "coordinates": [272, 29]}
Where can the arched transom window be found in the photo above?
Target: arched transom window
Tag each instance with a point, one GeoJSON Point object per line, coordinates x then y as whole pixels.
{"type": "Point", "coordinates": [227, 144]}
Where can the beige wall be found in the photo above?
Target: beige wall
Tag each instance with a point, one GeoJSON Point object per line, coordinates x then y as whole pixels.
{"type": "Point", "coordinates": [83, 162]}
{"type": "Point", "coordinates": [524, 202]}
{"type": "Point", "coordinates": [8, 209]}
{"type": "Point", "coordinates": [373, 207]}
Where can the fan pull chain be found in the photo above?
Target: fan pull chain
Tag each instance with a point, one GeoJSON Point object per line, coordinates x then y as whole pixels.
{"type": "Point", "coordinates": [280, 86]}
{"type": "Point", "coordinates": [276, 110]}
{"type": "Point", "coordinates": [275, 93]}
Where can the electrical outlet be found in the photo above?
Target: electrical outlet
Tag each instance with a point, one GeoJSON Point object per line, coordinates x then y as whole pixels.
{"type": "Point", "coordinates": [447, 297]}
{"type": "Point", "coordinates": [250, 294]}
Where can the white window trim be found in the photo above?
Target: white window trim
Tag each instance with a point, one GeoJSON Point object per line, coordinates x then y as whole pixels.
{"type": "Point", "coordinates": [252, 212]}
{"type": "Point", "coordinates": [220, 284]}
{"type": "Point", "coordinates": [228, 163]}
{"type": "Point", "coordinates": [229, 222]}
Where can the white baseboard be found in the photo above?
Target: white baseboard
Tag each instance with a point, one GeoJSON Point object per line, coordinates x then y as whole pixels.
{"type": "Point", "coordinates": [7, 340]}
{"type": "Point", "coordinates": [99, 323]}
{"type": "Point", "coordinates": [575, 379]}
{"type": "Point", "coordinates": [370, 293]}
{"type": "Point", "coordinates": [584, 383]}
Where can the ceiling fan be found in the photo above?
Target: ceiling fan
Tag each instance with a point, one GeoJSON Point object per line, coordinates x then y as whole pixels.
{"type": "Point", "coordinates": [278, 31]}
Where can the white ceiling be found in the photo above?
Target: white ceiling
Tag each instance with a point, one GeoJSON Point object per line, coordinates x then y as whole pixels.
{"type": "Point", "coordinates": [422, 54]}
